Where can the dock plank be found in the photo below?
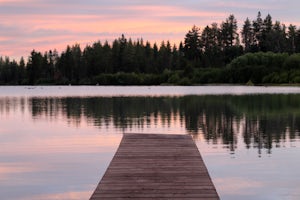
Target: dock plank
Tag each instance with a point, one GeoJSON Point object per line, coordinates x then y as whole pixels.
{"type": "Point", "coordinates": [156, 166]}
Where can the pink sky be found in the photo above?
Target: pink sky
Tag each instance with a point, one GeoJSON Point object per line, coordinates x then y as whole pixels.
{"type": "Point", "coordinates": [51, 24]}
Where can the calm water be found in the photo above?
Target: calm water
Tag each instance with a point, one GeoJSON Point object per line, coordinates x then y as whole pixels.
{"type": "Point", "coordinates": [56, 142]}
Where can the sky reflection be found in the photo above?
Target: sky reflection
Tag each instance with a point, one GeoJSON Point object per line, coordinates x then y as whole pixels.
{"type": "Point", "coordinates": [74, 195]}
{"type": "Point", "coordinates": [249, 174]}
{"type": "Point", "coordinates": [42, 159]}
{"type": "Point", "coordinates": [59, 147]}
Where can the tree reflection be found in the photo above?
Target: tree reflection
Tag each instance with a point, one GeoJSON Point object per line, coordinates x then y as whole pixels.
{"type": "Point", "coordinates": [263, 121]}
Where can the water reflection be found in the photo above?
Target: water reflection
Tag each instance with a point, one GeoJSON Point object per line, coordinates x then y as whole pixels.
{"type": "Point", "coordinates": [263, 121]}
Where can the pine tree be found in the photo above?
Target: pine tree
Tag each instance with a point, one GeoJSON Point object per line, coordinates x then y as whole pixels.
{"type": "Point", "coordinates": [257, 29]}
{"type": "Point", "coordinates": [34, 67]}
{"type": "Point", "coordinates": [229, 32]}
{"type": "Point", "coordinates": [192, 44]}
{"type": "Point", "coordinates": [248, 35]}
{"type": "Point", "coordinates": [291, 38]}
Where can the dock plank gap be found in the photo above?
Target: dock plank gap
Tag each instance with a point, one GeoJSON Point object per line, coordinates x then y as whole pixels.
{"type": "Point", "coordinates": [156, 166]}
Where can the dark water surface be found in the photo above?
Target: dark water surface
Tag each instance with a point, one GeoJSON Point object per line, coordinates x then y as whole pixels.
{"type": "Point", "coordinates": [56, 142]}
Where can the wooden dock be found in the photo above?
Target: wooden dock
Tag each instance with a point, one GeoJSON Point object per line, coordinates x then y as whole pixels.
{"type": "Point", "coordinates": [153, 166]}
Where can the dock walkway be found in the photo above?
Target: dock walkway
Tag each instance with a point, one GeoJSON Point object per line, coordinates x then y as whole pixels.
{"type": "Point", "coordinates": [153, 166]}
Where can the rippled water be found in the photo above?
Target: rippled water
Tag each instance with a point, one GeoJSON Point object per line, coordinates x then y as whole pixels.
{"type": "Point", "coordinates": [56, 142]}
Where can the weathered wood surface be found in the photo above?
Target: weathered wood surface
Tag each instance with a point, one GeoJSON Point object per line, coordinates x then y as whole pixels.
{"type": "Point", "coordinates": [153, 166]}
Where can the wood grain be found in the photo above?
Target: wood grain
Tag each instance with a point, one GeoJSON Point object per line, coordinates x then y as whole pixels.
{"type": "Point", "coordinates": [154, 166]}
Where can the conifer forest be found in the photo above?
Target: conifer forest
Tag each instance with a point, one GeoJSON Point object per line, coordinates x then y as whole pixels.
{"type": "Point", "coordinates": [262, 51]}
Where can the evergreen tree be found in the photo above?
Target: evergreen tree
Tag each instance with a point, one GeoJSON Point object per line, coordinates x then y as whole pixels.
{"type": "Point", "coordinates": [192, 44]}
{"type": "Point", "coordinates": [66, 66]}
{"type": "Point", "coordinates": [175, 65]}
{"type": "Point", "coordinates": [266, 39]}
{"type": "Point", "coordinates": [155, 59]}
{"type": "Point", "coordinates": [230, 39]}
{"type": "Point", "coordinates": [107, 58]}
{"type": "Point", "coordinates": [291, 38]}
{"type": "Point", "coordinates": [97, 59]}
{"type": "Point", "coordinates": [278, 37]}
{"type": "Point", "coordinates": [229, 32]}
{"type": "Point", "coordinates": [128, 56]}
{"type": "Point", "coordinates": [148, 68]}
{"type": "Point", "coordinates": [139, 56]}
{"type": "Point", "coordinates": [165, 56]}
{"type": "Point", "coordinates": [182, 59]}
{"type": "Point", "coordinates": [257, 29]}
{"type": "Point", "coordinates": [248, 35]}
{"type": "Point", "coordinates": [22, 72]}
{"type": "Point", "coordinates": [297, 41]}
{"type": "Point", "coordinates": [34, 67]}
{"type": "Point", "coordinates": [78, 71]}
{"type": "Point", "coordinates": [115, 57]}
{"type": "Point", "coordinates": [122, 47]}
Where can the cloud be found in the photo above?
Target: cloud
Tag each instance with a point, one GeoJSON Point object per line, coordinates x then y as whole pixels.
{"type": "Point", "coordinates": [49, 24]}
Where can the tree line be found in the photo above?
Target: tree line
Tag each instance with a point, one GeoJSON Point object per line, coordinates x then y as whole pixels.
{"type": "Point", "coordinates": [263, 51]}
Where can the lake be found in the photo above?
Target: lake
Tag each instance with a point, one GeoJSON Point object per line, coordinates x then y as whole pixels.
{"type": "Point", "coordinates": [57, 141]}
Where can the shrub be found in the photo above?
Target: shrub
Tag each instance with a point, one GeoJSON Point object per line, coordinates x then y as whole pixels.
{"type": "Point", "coordinates": [104, 79]}
{"type": "Point", "coordinates": [210, 75]}
{"type": "Point", "coordinates": [128, 79]}
{"type": "Point", "coordinates": [269, 59]}
{"type": "Point", "coordinates": [174, 79]}
{"type": "Point", "coordinates": [292, 62]}
{"type": "Point", "coordinates": [294, 76]}
{"type": "Point", "coordinates": [152, 79]}
{"type": "Point", "coordinates": [185, 81]}
{"type": "Point", "coordinates": [296, 79]}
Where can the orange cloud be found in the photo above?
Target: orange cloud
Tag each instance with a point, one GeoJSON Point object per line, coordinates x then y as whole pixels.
{"type": "Point", "coordinates": [44, 25]}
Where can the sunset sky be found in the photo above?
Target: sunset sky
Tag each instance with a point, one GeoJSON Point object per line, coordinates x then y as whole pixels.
{"type": "Point", "coordinates": [53, 24]}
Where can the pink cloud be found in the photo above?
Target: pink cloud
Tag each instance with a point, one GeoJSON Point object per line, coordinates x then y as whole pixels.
{"type": "Point", "coordinates": [44, 25]}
